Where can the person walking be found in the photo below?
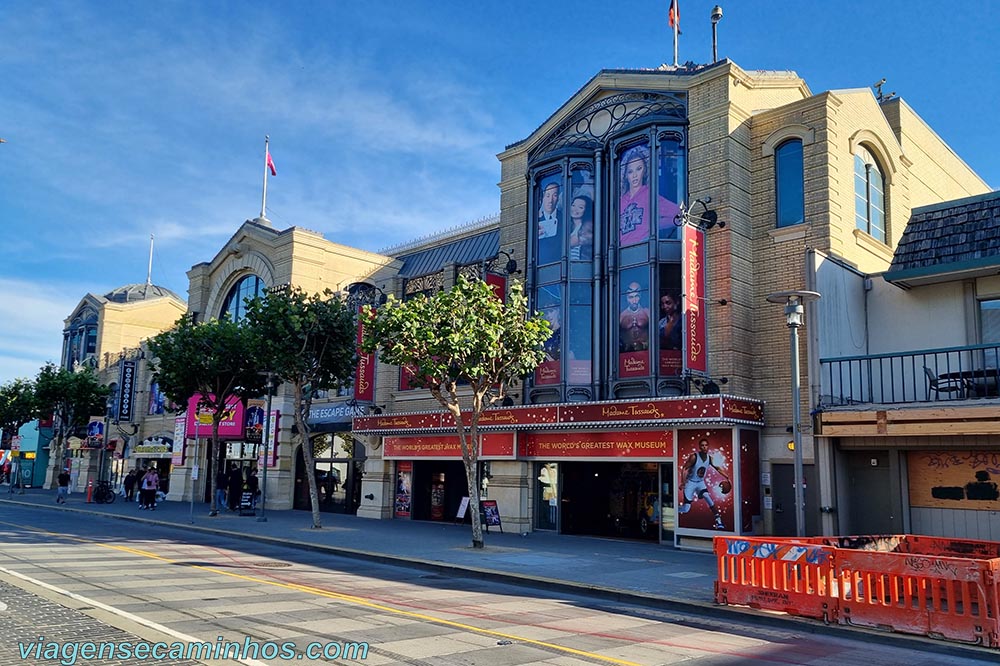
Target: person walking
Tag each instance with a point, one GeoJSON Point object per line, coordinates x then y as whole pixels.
{"type": "Point", "coordinates": [150, 484]}
{"type": "Point", "coordinates": [63, 492]}
{"type": "Point", "coordinates": [129, 485]}
{"type": "Point", "coordinates": [221, 483]}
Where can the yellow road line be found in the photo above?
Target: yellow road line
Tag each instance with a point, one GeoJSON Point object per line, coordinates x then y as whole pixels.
{"type": "Point", "coordinates": [347, 598]}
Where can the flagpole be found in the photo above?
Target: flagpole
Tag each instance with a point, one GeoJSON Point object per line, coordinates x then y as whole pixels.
{"type": "Point", "coordinates": [263, 199]}
{"type": "Point", "coordinates": [149, 271]}
{"type": "Point", "coordinates": [677, 25]}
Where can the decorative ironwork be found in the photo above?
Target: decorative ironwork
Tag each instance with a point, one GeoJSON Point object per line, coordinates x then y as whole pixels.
{"type": "Point", "coordinates": [590, 128]}
{"type": "Point", "coordinates": [472, 272]}
{"type": "Point", "coordinates": [424, 284]}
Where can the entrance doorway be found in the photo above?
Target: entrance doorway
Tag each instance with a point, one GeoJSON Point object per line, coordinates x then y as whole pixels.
{"type": "Point", "coordinates": [783, 490]}
{"type": "Point", "coordinates": [610, 499]}
{"type": "Point", "coordinates": [438, 489]}
{"type": "Point", "coordinates": [871, 507]}
{"type": "Point", "coordinates": [338, 468]}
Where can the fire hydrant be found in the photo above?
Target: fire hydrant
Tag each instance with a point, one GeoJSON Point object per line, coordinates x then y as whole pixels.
{"type": "Point", "coordinates": [90, 490]}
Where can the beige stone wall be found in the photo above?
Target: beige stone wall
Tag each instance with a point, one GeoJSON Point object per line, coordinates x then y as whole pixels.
{"type": "Point", "coordinates": [125, 325]}
{"type": "Point", "coordinates": [936, 172]}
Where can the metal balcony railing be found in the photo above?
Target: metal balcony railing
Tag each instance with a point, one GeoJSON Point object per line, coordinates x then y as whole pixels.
{"type": "Point", "coordinates": [927, 375]}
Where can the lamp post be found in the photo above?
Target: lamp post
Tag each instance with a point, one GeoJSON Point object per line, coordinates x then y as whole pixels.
{"type": "Point", "coordinates": [794, 310]}
{"type": "Point", "coordinates": [194, 459]}
{"type": "Point", "coordinates": [266, 442]}
{"type": "Point", "coordinates": [108, 407]}
{"type": "Point", "coordinates": [716, 17]}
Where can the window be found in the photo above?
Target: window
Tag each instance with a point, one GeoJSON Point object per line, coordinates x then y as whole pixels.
{"type": "Point", "coordinates": [246, 289]}
{"type": "Point", "coordinates": [869, 195]}
{"type": "Point", "coordinates": [789, 184]}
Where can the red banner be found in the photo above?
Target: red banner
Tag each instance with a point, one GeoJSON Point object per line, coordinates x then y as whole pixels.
{"type": "Point", "coordinates": [648, 410]}
{"type": "Point", "coordinates": [653, 444]}
{"type": "Point", "coordinates": [735, 408]}
{"type": "Point", "coordinates": [691, 409]}
{"type": "Point", "coordinates": [398, 421]}
{"type": "Point", "coordinates": [694, 299]}
{"type": "Point", "coordinates": [231, 426]}
{"type": "Point", "coordinates": [633, 364]}
{"type": "Point", "coordinates": [508, 416]}
{"type": "Point", "coordinates": [364, 374]}
{"type": "Point", "coordinates": [495, 445]}
{"type": "Point", "coordinates": [499, 284]}
{"type": "Point", "coordinates": [547, 372]}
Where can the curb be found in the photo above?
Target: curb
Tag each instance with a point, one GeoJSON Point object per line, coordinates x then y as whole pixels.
{"type": "Point", "coordinates": [685, 606]}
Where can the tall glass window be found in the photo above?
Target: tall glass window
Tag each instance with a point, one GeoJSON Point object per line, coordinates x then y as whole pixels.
{"type": "Point", "coordinates": [634, 212]}
{"type": "Point", "coordinates": [869, 195]}
{"type": "Point", "coordinates": [580, 228]}
{"type": "Point", "coordinates": [581, 336]}
{"type": "Point", "coordinates": [671, 185]}
{"type": "Point", "coordinates": [549, 301]}
{"type": "Point", "coordinates": [789, 183]}
{"type": "Point", "coordinates": [633, 323]}
{"type": "Point", "coordinates": [549, 218]}
{"type": "Point", "coordinates": [246, 289]}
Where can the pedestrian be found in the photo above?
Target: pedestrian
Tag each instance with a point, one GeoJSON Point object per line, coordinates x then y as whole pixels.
{"type": "Point", "coordinates": [129, 485]}
{"type": "Point", "coordinates": [150, 484]}
{"type": "Point", "coordinates": [63, 492]}
{"type": "Point", "coordinates": [221, 483]}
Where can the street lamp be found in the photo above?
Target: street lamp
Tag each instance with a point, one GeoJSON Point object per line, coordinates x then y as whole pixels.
{"type": "Point", "coordinates": [716, 17]}
{"type": "Point", "coordinates": [794, 310]}
{"type": "Point", "coordinates": [266, 442]}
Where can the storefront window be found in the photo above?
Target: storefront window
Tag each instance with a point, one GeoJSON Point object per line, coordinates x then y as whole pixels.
{"type": "Point", "coordinates": [547, 492]}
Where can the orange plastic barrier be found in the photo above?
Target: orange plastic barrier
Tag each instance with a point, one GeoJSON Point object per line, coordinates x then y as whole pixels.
{"type": "Point", "coordinates": [795, 576]}
{"type": "Point", "coordinates": [932, 586]}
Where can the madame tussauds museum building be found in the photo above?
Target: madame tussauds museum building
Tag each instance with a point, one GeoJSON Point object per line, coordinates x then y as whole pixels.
{"type": "Point", "coordinates": [641, 422]}
{"type": "Point", "coordinates": [650, 217]}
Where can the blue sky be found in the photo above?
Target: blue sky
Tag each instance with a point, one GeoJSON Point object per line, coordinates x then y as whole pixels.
{"type": "Point", "coordinates": [125, 119]}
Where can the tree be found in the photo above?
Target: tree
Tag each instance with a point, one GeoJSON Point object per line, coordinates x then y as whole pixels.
{"type": "Point", "coordinates": [71, 397]}
{"type": "Point", "coordinates": [310, 345]}
{"type": "Point", "coordinates": [465, 334]}
{"type": "Point", "coordinates": [215, 360]}
{"type": "Point", "coordinates": [18, 405]}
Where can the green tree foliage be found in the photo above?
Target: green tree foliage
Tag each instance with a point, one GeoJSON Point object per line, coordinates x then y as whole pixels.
{"type": "Point", "coordinates": [214, 359]}
{"type": "Point", "coordinates": [463, 335]}
{"type": "Point", "coordinates": [18, 405]}
{"type": "Point", "coordinates": [71, 397]}
{"type": "Point", "coordinates": [310, 345]}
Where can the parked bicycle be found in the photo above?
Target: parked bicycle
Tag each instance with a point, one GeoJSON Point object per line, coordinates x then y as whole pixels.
{"type": "Point", "coordinates": [104, 493]}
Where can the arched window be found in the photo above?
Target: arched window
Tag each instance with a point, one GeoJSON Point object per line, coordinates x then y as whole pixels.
{"type": "Point", "coordinates": [789, 184]}
{"type": "Point", "coordinates": [869, 195]}
{"type": "Point", "coordinates": [248, 288]}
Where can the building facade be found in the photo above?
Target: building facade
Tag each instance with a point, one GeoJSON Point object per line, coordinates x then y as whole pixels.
{"type": "Point", "coordinates": [615, 207]}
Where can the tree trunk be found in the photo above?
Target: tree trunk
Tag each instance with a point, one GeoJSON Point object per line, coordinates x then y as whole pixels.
{"type": "Point", "coordinates": [215, 468]}
{"type": "Point", "coordinates": [307, 458]}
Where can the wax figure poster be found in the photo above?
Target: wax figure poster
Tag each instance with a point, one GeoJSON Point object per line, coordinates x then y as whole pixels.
{"type": "Point", "coordinates": [705, 480]}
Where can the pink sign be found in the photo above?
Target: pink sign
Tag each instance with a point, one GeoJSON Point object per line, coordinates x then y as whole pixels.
{"type": "Point", "coordinates": [231, 425]}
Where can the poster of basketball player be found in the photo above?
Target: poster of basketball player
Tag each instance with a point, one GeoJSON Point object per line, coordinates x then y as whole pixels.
{"type": "Point", "coordinates": [705, 480]}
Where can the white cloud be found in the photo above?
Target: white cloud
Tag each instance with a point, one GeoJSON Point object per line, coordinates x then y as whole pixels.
{"type": "Point", "coordinates": [31, 322]}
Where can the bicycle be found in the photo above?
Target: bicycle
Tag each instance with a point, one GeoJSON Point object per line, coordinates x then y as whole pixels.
{"type": "Point", "coordinates": [104, 493]}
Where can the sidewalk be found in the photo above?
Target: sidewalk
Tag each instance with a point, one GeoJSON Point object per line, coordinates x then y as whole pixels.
{"type": "Point", "coordinates": [630, 571]}
{"type": "Point", "coordinates": [582, 564]}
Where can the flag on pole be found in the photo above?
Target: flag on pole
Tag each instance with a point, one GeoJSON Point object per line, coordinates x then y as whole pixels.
{"type": "Point", "coordinates": [674, 15]}
{"type": "Point", "coordinates": [270, 164]}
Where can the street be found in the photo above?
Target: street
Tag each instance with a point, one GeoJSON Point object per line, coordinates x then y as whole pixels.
{"type": "Point", "coordinates": [72, 579]}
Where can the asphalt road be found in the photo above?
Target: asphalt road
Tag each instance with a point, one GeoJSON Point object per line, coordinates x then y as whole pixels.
{"type": "Point", "coordinates": [69, 580]}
